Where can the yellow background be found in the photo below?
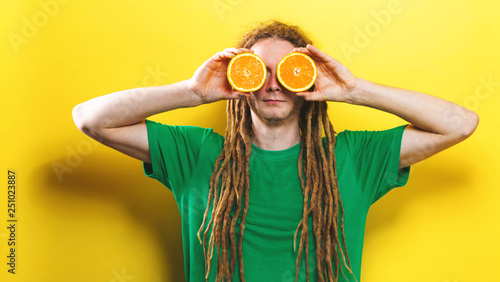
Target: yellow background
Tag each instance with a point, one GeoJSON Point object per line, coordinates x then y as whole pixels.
{"type": "Point", "coordinates": [101, 219]}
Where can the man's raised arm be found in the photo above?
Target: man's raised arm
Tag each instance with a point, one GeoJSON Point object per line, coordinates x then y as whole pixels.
{"type": "Point", "coordinates": [436, 124]}
{"type": "Point", "coordinates": [117, 119]}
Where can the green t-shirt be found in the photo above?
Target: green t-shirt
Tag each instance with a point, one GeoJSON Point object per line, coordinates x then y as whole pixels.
{"type": "Point", "coordinates": [183, 159]}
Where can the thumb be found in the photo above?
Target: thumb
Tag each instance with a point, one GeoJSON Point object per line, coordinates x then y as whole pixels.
{"type": "Point", "coordinates": [312, 96]}
{"type": "Point", "coordinates": [235, 94]}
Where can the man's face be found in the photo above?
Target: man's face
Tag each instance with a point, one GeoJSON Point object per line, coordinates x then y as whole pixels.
{"type": "Point", "coordinates": [273, 103]}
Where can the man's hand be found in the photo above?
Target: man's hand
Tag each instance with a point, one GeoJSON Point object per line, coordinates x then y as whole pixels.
{"type": "Point", "coordinates": [209, 81]}
{"type": "Point", "coordinates": [334, 82]}
{"type": "Point", "coordinates": [436, 124]}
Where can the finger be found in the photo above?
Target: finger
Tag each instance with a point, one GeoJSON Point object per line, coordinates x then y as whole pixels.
{"type": "Point", "coordinates": [245, 50]}
{"type": "Point", "coordinates": [316, 57]}
{"type": "Point", "coordinates": [317, 53]}
{"type": "Point", "coordinates": [301, 50]}
{"type": "Point", "coordinates": [235, 94]}
{"type": "Point", "coordinates": [239, 50]}
{"type": "Point", "coordinates": [228, 53]}
{"type": "Point", "coordinates": [221, 55]}
{"type": "Point", "coordinates": [323, 56]}
{"type": "Point", "coordinates": [312, 96]}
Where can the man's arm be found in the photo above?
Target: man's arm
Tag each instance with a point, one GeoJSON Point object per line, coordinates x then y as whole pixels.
{"type": "Point", "coordinates": [117, 120]}
{"type": "Point", "coordinates": [436, 124]}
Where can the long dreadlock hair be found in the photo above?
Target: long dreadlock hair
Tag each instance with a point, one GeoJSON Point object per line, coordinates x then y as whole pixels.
{"type": "Point", "coordinates": [230, 181]}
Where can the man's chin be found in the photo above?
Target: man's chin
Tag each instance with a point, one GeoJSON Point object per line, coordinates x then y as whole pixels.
{"type": "Point", "coordinates": [272, 117]}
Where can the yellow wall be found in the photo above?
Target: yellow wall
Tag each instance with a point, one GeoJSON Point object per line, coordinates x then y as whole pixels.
{"type": "Point", "coordinates": [87, 213]}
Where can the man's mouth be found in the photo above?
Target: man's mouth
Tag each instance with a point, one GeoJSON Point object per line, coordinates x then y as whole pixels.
{"type": "Point", "coordinates": [273, 101]}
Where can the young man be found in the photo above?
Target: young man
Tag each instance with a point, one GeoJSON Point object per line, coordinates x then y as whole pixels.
{"type": "Point", "coordinates": [271, 198]}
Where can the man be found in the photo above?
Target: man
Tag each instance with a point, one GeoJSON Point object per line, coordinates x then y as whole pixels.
{"type": "Point", "coordinates": [253, 198]}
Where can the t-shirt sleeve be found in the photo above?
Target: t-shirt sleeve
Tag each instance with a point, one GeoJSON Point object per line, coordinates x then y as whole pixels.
{"type": "Point", "coordinates": [174, 153]}
{"type": "Point", "coordinates": [375, 156]}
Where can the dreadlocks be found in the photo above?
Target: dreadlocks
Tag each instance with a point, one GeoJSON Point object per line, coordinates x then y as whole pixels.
{"type": "Point", "coordinates": [229, 184]}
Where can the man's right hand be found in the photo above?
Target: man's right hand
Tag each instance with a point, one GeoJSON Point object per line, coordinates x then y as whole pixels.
{"type": "Point", "coordinates": [117, 119]}
{"type": "Point", "coordinates": [210, 83]}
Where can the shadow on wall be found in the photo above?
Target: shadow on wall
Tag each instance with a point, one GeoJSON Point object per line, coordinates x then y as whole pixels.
{"type": "Point", "coordinates": [148, 202]}
{"type": "Point", "coordinates": [121, 182]}
{"type": "Point", "coordinates": [428, 180]}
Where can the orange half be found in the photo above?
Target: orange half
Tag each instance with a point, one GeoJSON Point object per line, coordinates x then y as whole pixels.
{"type": "Point", "coordinates": [297, 72]}
{"type": "Point", "coordinates": [246, 72]}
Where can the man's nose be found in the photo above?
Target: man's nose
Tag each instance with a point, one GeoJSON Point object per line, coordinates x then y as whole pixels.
{"type": "Point", "coordinates": [273, 84]}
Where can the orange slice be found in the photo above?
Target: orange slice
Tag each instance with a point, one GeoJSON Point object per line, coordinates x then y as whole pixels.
{"type": "Point", "coordinates": [297, 72]}
{"type": "Point", "coordinates": [246, 72]}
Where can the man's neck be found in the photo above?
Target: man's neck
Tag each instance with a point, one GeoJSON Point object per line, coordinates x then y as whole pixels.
{"type": "Point", "coordinates": [275, 136]}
